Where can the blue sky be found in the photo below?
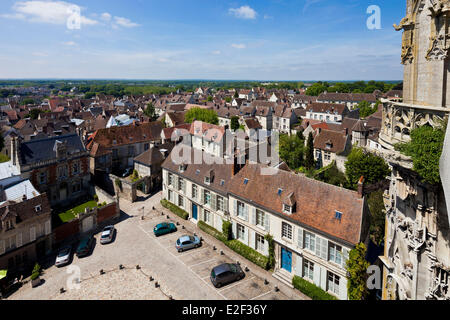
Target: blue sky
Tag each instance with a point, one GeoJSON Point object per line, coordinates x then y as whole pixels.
{"type": "Point", "coordinates": [201, 39]}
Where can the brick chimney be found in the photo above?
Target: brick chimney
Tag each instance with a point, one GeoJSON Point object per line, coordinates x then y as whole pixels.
{"type": "Point", "coordinates": [361, 187]}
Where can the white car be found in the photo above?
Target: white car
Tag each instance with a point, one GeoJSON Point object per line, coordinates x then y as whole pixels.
{"type": "Point", "coordinates": [63, 257]}
{"type": "Point", "coordinates": [107, 235]}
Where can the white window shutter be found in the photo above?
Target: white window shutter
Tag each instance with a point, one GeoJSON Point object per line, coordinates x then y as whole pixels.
{"type": "Point", "coordinates": [246, 212]}
{"type": "Point", "coordinates": [345, 257]}
{"type": "Point", "coordinates": [254, 216]}
{"type": "Point", "coordinates": [214, 201]}
{"type": "Point", "coordinates": [324, 255]}
{"type": "Point", "coordinates": [235, 207]}
{"type": "Point", "coordinates": [2, 247]}
{"type": "Point", "coordinates": [225, 204]}
{"type": "Point", "coordinates": [318, 246]}
{"type": "Point", "coordinates": [202, 196]}
{"type": "Point", "coordinates": [19, 240]}
{"type": "Point", "coordinates": [32, 234]}
{"type": "Point", "coordinates": [246, 236]}
{"type": "Point", "coordinates": [233, 230]}
{"type": "Point", "coordinates": [48, 228]}
{"type": "Point", "coordinates": [267, 222]}
{"type": "Point", "coordinates": [300, 238]}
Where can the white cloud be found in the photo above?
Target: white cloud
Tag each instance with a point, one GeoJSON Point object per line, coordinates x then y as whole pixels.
{"type": "Point", "coordinates": [53, 12]}
{"type": "Point", "coordinates": [266, 17]}
{"type": "Point", "coordinates": [239, 46]}
{"type": "Point", "coordinates": [244, 12]}
{"type": "Point", "coordinates": [124, 22]}
{"type": "Point", "coordinates": [106, 16]}
{"type": "Point", "coordinates": [69, 43]}
{"type": "Point", "coordinates": [217, 52]}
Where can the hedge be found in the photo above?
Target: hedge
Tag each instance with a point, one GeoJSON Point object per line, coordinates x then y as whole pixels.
{"type": "Point", "coordinates": [311, 290]}
{"type": "Point", "coordinates": [177, 210]}
{"type": "Point", "coordinates": [249, 253]}
{"type": "Point", "coordinates": [237, 246]}
{"type": "Point", "coordinates": [211, 231]}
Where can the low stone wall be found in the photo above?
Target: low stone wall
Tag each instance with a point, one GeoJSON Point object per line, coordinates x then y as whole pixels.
{"type": "Point", "coordinates": [104, 196]}
{"type": "Point", "coordinates": [66, 231]}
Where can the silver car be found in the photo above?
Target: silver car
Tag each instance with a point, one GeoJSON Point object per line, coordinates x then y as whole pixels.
{"type": "Point", "coordinates": [63, 257]}
{"type": "Point", "coordinates": [188, 242]}
{"type": "Point", "coordinates": [107, 235]}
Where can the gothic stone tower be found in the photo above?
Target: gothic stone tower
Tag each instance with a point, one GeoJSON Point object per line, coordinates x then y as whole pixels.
{"type": "Point", "coordinates": [425, 49]}
{"type": "Point", "coordinates": [417, 239]}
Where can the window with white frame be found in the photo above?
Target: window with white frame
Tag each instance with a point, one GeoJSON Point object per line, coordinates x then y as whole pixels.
{"type": "Point", "coordinates": [333, 282]}
{"type": "Point", "coordinates": [240, 209]}
{"type": "Point", "coordinates": [286, 230]}
{"type": "Point", "coordinates": [308, 269]}
{"type": "Point", "coordinates": [181, 184]}
{"type": "Point", "coordinates": [259, 242]}
{"type": "Point", "coordinates": [287, 209]}
{"type": "Point", "coordinates": [170, 178]}
{"type": "Point", "coordinates": [240, 232]}
{"type": "Point", "coordinates": [309, 242]}
{"type": "Point", "coordinates": [335, 253]}
{"type": "Point", "coordinates": [9, 225]}
{"type": "Point", "coordinates": [170, 195]}
{"type": "Point", "coordinates": [260, 216]}
{"type": "Point", "coordinates": [62, 172]}
{"type": "Point", "coordinates": [180, 201]}
{"type": "Point", "coordinates": [207, 216]}
{"type": "Point", "coordinates": [194, 191]}
{"type": "Point", "coordinates": [207, 196]}
{"type": "Point", "coordinates": [220, 206]}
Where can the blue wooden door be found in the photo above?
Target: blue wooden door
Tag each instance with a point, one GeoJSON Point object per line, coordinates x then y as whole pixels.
{"type": "Point", "coordinates": [286, 259]}
{"type": "Point", "coordinates": [194, 211]}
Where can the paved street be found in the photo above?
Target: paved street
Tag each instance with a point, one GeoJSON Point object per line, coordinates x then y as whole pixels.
{"type": "Point", "coordinates": [179, 275]}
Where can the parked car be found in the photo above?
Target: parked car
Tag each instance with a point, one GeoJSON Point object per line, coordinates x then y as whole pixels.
{"type": "Point", "coordinates": [226, 273]}
{"type": "Point", "coordinates": [63, 257]}
{"type": "Point", "coordinates": [127, 172]}
{"type": "Point", "coordinates": [85, 246]}
{"type": "Point", "coordinates": [164, 228]}
{"type": "Point", "coordinates": [187, 242]}
{"type": "Point", "coordinates": [107, 235]}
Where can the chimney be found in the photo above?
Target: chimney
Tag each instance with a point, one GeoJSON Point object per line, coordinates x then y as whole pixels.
{"type": "Point", "coordinates": [361, 187]}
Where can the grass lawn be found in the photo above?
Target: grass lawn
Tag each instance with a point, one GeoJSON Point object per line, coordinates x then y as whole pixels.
{"type": "Point", "coordinates": [72, 213]}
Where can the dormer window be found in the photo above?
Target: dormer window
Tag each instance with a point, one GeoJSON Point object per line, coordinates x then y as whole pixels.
{"type": "Point", "coordinates": [38, 208]}
{"type": "Point", "coordinates": [183, 167]}
{"type": "Point", "coordinates": [207, 180]}
{"type": "Point", "coordinates": [9, 225]}
{"type": "Point", "coordinates": [280, 191]}
{"type": "Point", "coordinates": [245, 181]}
{"type": "Point", "coordinates": [338, 215]}
{"type": "Point", "coordinates": [287, 209]}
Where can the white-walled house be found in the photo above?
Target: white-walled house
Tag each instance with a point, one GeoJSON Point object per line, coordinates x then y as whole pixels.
{"type": "Point", "coordinates": [314, 225]}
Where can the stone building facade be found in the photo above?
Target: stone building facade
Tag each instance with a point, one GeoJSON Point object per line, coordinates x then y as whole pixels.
{"type": "Point", "coordinates": [417, 240]}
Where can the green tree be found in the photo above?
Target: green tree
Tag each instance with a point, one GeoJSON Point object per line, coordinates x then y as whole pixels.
{"type": "Point", "coordinates": [309, 158]}
{"type": "Point", "coordinates": [378, 217]}
{"type": "Point", "coordinates": [27, 101]}
{"type": "Point", "coordinates": [365, 109]}
{"type": "Point", "coordinates": [234, 123]}
{"type": "Point", "coordinates": [209, 99]}
{"type": "Point", "coordinates": [228, 99]}
{"type": "Point", "coordinates": [356, 267]}
{"type": "Point", "coordinates": [361, 163]}
{"type": "Point", "coordinates": [316, 89]}
{"type": "Point", "coordinates": [199, 114]}
{"type": "Point", "coordinates": [150, 112]}
{"type": "Point", "coordinates": [425, 149]}
{"type": "Point", "coordinates": [291, 150]}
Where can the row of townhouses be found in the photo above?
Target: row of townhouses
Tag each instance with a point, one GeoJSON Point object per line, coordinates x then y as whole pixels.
{"type": "Point", "coordinates": [314, 225]}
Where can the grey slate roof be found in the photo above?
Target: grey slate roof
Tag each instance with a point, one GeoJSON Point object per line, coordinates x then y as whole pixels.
{"type": "Point", "coordinates": [43, 149]}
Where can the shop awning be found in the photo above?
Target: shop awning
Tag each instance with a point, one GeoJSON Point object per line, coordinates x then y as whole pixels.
{"type": "Point", "coordinates": [3, 274]}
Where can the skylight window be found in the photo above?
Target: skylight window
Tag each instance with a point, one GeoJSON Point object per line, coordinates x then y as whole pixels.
{"type": "Point", "coordinates": [222, 182]}
{"type": "Point", "coordinates": [280, 191]}
{"type": "Point", "coordinates": [197, 171]}
{"type": "Point", "coordinates": [245, 181]}
{"type": "Point", "coordinates": [338, 215]}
